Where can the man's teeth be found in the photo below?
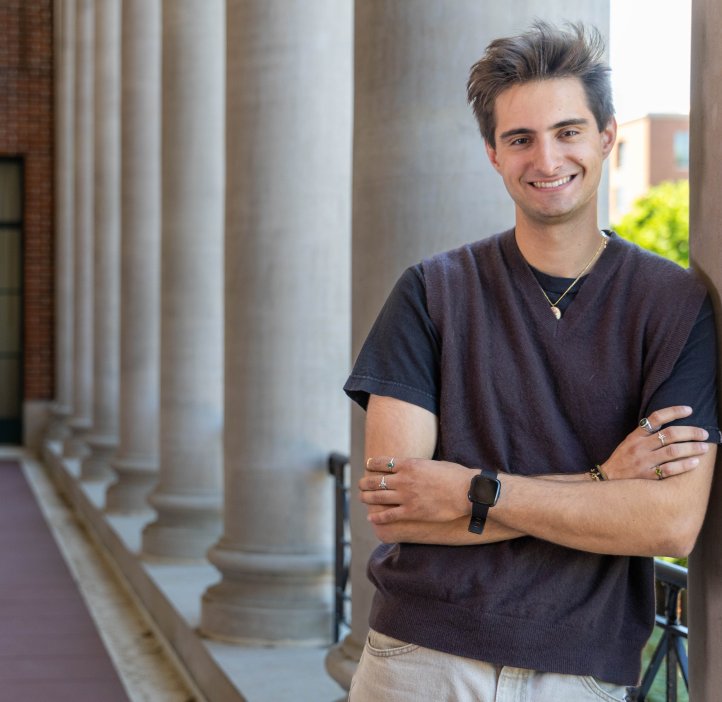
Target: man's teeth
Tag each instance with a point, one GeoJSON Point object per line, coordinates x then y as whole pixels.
{"type": "Point", "coordinates": [552, 184]}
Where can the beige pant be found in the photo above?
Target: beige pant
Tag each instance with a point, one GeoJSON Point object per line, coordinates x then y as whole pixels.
{"type": "Point", "coordinates": [393, 671]}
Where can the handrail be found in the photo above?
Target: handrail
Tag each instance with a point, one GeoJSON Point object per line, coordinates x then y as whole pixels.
{"type": "Point", "coordinates": [671, 573]}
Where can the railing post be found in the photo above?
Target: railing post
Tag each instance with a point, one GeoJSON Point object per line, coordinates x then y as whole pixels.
{"type": "Point", "coordinates": [337, 467]}
{"type": "Point", "coordinates": [671, 645]}
{"type": "Point", "coordinates": [671, 613]}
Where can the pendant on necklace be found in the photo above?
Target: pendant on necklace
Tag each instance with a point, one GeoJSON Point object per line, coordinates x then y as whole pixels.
{"type": "Point", "coordinates": [556, 311]}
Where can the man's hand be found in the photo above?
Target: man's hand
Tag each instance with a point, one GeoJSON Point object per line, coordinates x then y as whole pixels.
{"type": "Point", "coordinates": [415, 489]}
{"type": "Point", "coordinates": [403, 429]}
{"type": "Point", "coordinates": [673, 450]}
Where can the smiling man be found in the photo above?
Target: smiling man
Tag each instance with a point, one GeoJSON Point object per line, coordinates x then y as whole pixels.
{"type": "Point", "coordinates": [541, 418]}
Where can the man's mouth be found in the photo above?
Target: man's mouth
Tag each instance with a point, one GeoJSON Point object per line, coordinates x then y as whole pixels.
{"type": "Point", "coordinates": [552, 183]}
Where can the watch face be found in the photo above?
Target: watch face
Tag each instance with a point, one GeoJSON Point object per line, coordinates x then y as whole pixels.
{"type": "Point", "coordinates": [484, 490]}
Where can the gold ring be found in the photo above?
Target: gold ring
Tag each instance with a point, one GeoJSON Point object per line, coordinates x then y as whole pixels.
{"type": "Point", "coordinates": [382, 484]}
{"type": "Point", "coordinates": [661, 437]}
{"type": "Point", "coordinates": [390, 464]}
{"type": "Point", "coordinates": [658, 471]}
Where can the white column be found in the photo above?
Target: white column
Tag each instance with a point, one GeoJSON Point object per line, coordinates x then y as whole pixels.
{"type": "Point", "coordinates": [102, 438]}
{"type": "Point", "coordinates": [136, 463]}
{"type": "Point", "coordinates": [82, 391]}
{"type": "Point", "coordinates": [287, 316]}
{"type": "Point", "coordinates": [64, 180]}
{"type": "Point", "coordinates": [422, 182]}
{"type": "Point", "coordinates": [705, 577]}
{"type": "Point", "coordinates": [188, 496]}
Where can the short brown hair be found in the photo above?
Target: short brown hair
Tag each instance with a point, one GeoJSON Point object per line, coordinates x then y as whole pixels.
{"type": "Point", "coordinates": [542, 52]}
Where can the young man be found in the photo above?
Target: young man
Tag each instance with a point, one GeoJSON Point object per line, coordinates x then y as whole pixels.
{"type": "Point", "coordinates": [518, 498]}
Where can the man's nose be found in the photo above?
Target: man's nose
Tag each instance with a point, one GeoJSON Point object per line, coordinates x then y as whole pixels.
{"type": "Point", "coordinates": [547, 157]}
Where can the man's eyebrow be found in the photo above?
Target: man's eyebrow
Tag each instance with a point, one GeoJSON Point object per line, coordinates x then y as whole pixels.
{"type": "Point", "coordinates": [570, 122]}
{"type": "Point", "coordinates": [515, 132]}
{"type": "Point", "coordinates": [521, 131]}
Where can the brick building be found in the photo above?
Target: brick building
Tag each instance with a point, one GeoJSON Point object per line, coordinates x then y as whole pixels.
{"type": "Point", "coordinates": [26, 212]}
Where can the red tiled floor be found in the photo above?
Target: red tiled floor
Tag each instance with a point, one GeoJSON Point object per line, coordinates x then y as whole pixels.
{"type": "Point", "coordinates": [50, 648]}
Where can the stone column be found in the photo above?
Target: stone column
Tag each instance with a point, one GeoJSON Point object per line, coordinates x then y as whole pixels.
{"type": "Point", "coordinates": [422, 181]}
{"type": "Point", "coordinates": [705, 576]}
{"type": "Point", "coordinates": [82, 391]}
{"type": "Point", "coordinates": [61, 409]}
{"type": "Point", "coordinates": [136, 463]}
{"type": "Point", "coordinates": [188, 496]}
{"type": "Point", "coordinates": [102, 438]}
{"type": "Point", "coordinates": [287, 316]}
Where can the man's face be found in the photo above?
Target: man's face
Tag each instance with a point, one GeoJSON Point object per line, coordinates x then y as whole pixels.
{"type": "Point", "coordinates": [549, 150]}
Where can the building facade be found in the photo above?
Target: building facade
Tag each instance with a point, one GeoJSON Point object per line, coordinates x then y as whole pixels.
{"type": "Point", "coordinates": [649, 151]}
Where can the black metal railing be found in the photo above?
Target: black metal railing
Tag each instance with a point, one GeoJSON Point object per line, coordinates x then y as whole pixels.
{"type": "Point", "coordinates": [671, 582]}
{"type": "Point", "coordinates": [672, 648]}
{"type": "Point", "coordinates": [338, 467]}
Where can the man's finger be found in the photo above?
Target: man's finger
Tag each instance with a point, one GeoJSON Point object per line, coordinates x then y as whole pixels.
{"type": "Point", "coordinates": [663, 416]}
{"type": "Point", "coordinates": [381, 464]}
{"type": "Point", "coordinates": [386, 516]}
{"type": "Point", "coordinates": [373, 483]}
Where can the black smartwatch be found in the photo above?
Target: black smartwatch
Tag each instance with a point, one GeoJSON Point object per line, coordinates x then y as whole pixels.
{"type": "Point", "coordinates": [483, 493]}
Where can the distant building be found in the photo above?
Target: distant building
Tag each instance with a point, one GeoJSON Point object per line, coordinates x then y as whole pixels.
{"type": "Point", "coordinates": [649, 150]}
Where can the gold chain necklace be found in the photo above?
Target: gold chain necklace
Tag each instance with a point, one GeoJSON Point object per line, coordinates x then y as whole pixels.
{"type": "Point", "coordinates": [554, 305]}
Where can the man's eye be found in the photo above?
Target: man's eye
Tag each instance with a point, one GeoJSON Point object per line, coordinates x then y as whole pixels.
{"type": "Point", "coordinates": [520, 141]}
{"type": "Point", "coordinates": [570, 132]}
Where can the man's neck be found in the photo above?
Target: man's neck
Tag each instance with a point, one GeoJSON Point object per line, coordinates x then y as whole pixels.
{"type": "Point", "coordinates": [561, 250]}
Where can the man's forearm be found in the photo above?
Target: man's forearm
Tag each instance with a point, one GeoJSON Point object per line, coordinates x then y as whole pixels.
{"type": "Point", "coordinates": [453, 533]}
{"type": "Point", "coordinates": [622, 517]}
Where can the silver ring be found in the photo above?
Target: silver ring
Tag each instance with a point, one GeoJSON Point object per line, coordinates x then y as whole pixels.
{"type": "Point", "coordinates": [646, 425]}
{"type": "Point", "coordinates": [658, 471]}
{"type": "Point", "coordinates": [390, 465]}
{"type": "Point", "coordinates": [382, 484]}
{"type": "Point", "coordinates": [662, 438]}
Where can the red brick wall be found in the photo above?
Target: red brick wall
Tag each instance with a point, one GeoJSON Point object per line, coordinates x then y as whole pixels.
{"type": "Point", "coordinates": [26, 130]}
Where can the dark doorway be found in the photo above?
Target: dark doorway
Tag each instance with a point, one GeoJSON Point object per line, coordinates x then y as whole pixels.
{"type": "Point", "coordinates": [11, 240]}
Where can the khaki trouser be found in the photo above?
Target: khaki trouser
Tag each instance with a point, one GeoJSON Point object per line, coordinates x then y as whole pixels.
{"type": "Point", "coordinates": [393, 671]}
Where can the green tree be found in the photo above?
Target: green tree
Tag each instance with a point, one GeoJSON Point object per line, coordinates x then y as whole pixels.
{"type": "Point", "coordinates": [659, 221]}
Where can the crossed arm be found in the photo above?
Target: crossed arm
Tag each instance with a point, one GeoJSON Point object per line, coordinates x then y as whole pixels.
{"type": "Point", "coordinates": [632, 513]}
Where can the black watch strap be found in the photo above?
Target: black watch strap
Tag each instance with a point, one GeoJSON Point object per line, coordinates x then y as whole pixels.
{"type": "Point", "coordinates": [480, 510]}
{"type": "Point", "coordinates": [478, 517]}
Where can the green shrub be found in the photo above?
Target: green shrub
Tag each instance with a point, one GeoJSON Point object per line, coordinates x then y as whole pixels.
{"type": "Point", "coordinates": [659, 221]}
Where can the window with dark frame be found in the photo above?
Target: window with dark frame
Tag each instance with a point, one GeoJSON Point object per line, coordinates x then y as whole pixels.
{"type": "Point", "coordinates": [11, 246]}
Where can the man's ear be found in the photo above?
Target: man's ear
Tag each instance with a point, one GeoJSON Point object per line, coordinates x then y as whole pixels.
{"type": "Point", "coordinates": [491, 153]}
{"type": "Point", "coordinates": [609, 136]}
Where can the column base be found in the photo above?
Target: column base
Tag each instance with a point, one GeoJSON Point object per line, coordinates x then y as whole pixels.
{"type": "Point", "coordinates": [57, 428]}
{"type": "Point", "coordinates": [268, 599]}
{"type": "Point", "coordinates": [342, 660]}
{"type": "Point", "coordinates": [96, 465]}
{"type": "Point", "coordinates": [75, 445]}
{"type": "Point", "coordinates": [135, 481]}
{"type": "Point", "coordinates": [186, 527]}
